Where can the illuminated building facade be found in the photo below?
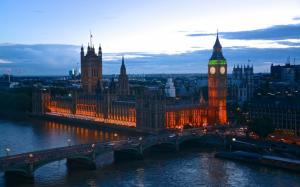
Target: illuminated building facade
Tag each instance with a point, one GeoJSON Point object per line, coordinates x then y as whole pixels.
{"type": "Point", "coordinates": [148, 108]}
{"type": "Point", "coordinates": [217, 86]}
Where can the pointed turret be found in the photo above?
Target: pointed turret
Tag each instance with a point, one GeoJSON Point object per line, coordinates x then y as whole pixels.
{"type": "Point", "coordinates": [100, 50]}
{"type": "Point", "coordinates": [82, 52]}
{"type": "Point", "coordinates": [123, 68]}
{"type": "Point", "coordinates": [123, 80]}
{"type": "Point", "coordinates": [112, 86]}
{"type": "Point", "coordinates": [217, 50]}
{"type": "Point", "coordinates": [217, 45]}
{"type": "Point", "coordinates": [88, 48]}
{"type": "Point", "coordinates": [202, 100]}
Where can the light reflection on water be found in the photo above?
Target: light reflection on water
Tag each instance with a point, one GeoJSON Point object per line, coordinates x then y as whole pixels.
{"type": "Point", "coordinates": [187, 168]}
{"type": "Point", "coordinates": [36, 135]}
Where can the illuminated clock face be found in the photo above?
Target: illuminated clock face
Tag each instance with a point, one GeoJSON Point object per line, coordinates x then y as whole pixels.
{"type": "Point", "coordinates": [222, 70]}
{"type": "Point", "coordinates": [212, 70]}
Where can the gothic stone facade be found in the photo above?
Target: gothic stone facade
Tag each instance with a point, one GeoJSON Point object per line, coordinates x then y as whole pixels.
{"type": "Point", "coordinates": [91, 69]}
{"type": "Point", "coordinates": [147, 109]}
{"type": "Point", "coordinates": [241, 84]}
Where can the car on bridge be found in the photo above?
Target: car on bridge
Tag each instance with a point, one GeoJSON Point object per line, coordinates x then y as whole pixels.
{"type": "Point", "coordinates": [172, 135]}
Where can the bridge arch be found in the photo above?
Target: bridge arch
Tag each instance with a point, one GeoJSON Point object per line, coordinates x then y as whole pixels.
{"type": "Point", "coordinates": [25, 172]}
{"type": "Point", "coordinates": [189, 140]}
{"type": "Point", "coordinates": [128, 154]}
{"type": "Point", "coordinates": [159, 146]}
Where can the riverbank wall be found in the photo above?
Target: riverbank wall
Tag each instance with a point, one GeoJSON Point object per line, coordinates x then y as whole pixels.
{"type": "Point", "coordinates": [93, 124]}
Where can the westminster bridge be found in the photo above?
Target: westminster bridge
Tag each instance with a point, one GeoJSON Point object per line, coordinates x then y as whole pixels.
{"type": "Point", "coordinates": [92, 155]}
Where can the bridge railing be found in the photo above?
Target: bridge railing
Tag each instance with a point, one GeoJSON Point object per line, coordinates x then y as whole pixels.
{"type": "Point", "coordinates": [83, 149]}
{"type": "Point", "coordinates": [58, 153]}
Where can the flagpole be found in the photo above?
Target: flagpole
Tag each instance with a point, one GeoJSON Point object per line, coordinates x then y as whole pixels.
{"type": "Point", "coordinates": [91, 38]}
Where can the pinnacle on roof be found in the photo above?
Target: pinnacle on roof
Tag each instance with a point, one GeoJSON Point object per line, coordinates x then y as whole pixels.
{"type": "Point", "coordinates": [217, 50]}
{"type": "Point", "coordinates": [123, 68]}
{"type": "Point", "coordinates": [217, 43]}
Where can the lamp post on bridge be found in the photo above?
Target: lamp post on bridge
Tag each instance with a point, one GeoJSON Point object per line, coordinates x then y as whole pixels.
{"type": "Point", "coordinates": [7, 150]}
{"type": "Point", "coordinates": [31, 163]}
{"type": "Point", "coordinates": [93, 151]}
{"type": "Point", "coordinates": [140, 145]}
{"type": "Point", "coordinates": [30, 155]}
{"type": "Point", "coordinates": [230, 146]}
{"type": "Point", "coordinates": [115, 135]}
{"type": "Point", "coordinates": [69, 142]}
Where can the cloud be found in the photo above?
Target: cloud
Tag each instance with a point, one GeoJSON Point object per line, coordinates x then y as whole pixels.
{"type": "Point", "coordinates": [289, 43]}
{"type": "Point", "coordinates": [201, 34]}
{"type": "Point", "coordinates": [277, 32]}
{"type": "Point", "coordinates": [2, 61]}
{"type": "Point", "coordinates": [196, 61]}
{"type": "Point", "coordinates": [59, 59]}
{"type": "Point", "coordinates": [118, 56]}
{"type": "Point", "coordinates": [48, 59]}
{"type": "Point", "coordinates": [296, 18]}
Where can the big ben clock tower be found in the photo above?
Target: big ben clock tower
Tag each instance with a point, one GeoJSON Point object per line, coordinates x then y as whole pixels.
{"type": "Point", "coordinates": [217, 86]}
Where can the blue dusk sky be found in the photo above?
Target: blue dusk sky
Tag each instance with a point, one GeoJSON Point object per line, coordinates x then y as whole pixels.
{"type": "Point", "coordinates": [156, 36]}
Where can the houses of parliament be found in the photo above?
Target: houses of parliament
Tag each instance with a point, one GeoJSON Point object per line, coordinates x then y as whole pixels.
{"type": "Point", "coordinates": [146, 108]}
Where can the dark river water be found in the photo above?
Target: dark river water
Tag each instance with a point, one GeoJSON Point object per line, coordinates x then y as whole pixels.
{"type": "Point", "coordinates": [196, 167]}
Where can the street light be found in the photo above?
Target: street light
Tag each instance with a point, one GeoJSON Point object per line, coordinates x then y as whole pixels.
{"type": "Point", "coordinates": [69, 142]}
{"type": "Point", "coordinates": [140, 138]}
{"type": "Point", "coordinates": [230, 146]}
{"type": "Point", "coordinates": [7, 151]}
{"type": "Point", "coordinates": [115, 135]}
{"type": "Point", "coordinates": [30, 155]}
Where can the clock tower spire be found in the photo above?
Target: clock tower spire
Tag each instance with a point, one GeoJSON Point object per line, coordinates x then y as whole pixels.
{"type": "Point", "coordinates": [217, 85]}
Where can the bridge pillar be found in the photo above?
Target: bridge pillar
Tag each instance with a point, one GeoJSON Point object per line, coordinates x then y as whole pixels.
{"type": "Point", "coordinates": [104, 159]}
{"type": "Point", "coordinates": [24, 174]}
{"type": "Point", "coordinates": [92, 161]}
{"type": "Point", "coordinates": [83, 163]}
{"type": "Point", "coordinates": [177, 145]}
{"type": "Point", "coordinates": [141, 149]}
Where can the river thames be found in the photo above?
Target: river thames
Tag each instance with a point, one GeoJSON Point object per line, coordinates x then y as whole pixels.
{"type": "Point", "coordinates": [190, 167]}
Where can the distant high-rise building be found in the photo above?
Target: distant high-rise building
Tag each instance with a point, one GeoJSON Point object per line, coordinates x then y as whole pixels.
{"type": "Point", "coordinates": [73, 73]}
{"type": "Point", "coordinates": [217, 86]}
{"type": "Point", "coordinates": [170, 88]}
{"type": "Point", "coordinates": [123, 80]}
{"type": "Point", "coordinates": [286, 73]}
{"type": "Point", "coordinates": [91, 69]}
{"type": "Point", "coordinates": [284, 112]}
